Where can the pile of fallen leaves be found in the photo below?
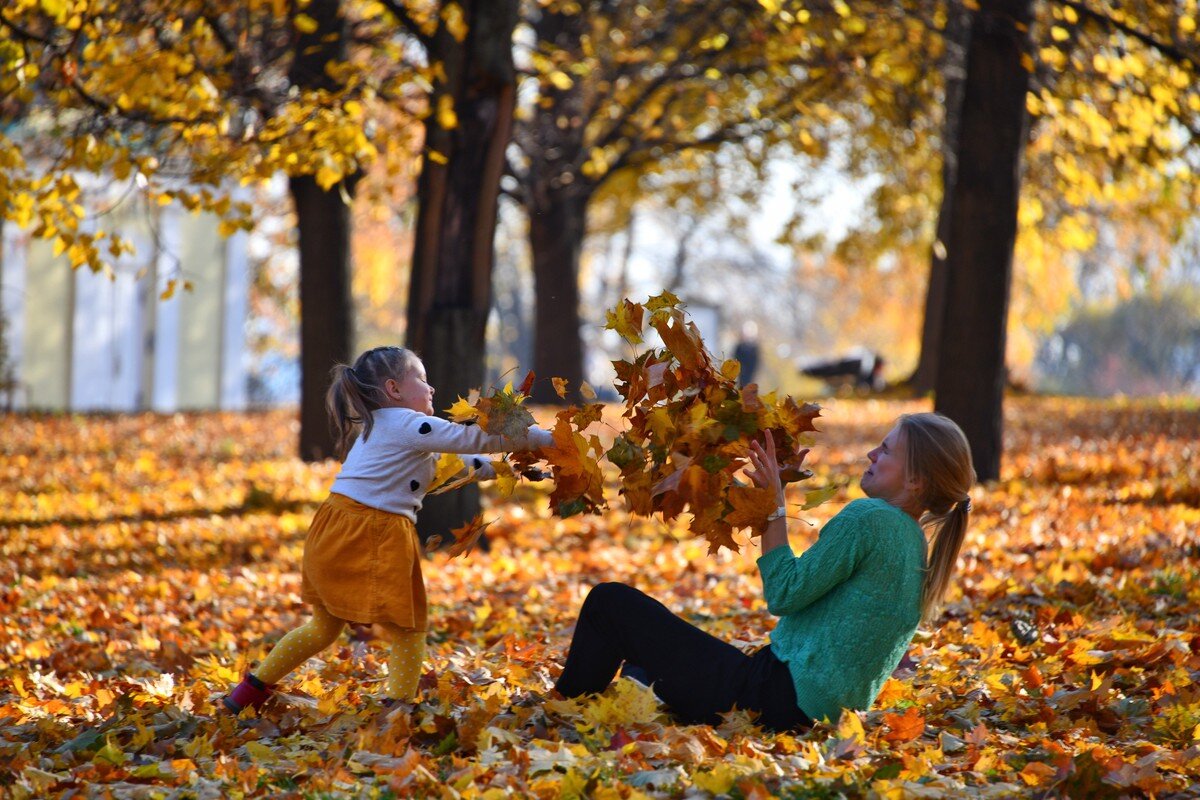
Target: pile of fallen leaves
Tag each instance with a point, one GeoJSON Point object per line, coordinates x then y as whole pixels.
{"type": "Point", "coordinates": [146, 561]}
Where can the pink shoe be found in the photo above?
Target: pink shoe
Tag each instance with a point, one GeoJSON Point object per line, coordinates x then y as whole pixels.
{"type": "Point", "coordinates": [250, 692]}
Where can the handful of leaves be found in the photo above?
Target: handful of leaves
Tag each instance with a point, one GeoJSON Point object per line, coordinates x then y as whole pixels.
{"type": "Point", "coordinates": [687, 428]}
{"type": "Point", "coordinates": [690, 426]}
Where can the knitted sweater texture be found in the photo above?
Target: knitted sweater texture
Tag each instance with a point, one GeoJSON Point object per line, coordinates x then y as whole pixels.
{"type": "Point", "coordinates": [848, 606]}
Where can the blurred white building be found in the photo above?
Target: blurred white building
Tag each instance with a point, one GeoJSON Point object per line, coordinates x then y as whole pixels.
{"type": "Point", "coordinates": [81, 341]}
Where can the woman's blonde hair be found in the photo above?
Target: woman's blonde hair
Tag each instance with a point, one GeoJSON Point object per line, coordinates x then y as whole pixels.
{"type": "Point", "coordinates": [357, 391]}
{"type": "Point", "coordinates": [939, 458]}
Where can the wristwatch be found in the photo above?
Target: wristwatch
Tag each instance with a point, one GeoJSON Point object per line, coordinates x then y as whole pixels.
{"type": "Point", "coordinates": [778, 513]}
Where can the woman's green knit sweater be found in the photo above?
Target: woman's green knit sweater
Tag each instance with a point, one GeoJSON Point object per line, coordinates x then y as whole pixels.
{"type": "Point", "coordinates": [848, 606]}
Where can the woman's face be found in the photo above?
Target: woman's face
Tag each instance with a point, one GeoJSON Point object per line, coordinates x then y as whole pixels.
{"type": "Point", "coordinates": [887, 477]}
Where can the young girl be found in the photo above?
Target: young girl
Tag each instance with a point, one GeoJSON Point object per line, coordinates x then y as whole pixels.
{"type": "Point", "coordinates": [848, 606]}
{"type": "Point", "coordinates": [362, 559]}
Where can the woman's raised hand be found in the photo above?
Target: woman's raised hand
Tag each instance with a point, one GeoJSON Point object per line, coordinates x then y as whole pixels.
{"type": "Point", "coordinates": [766, 470]}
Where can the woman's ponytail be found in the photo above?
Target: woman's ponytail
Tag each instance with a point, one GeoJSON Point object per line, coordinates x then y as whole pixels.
{"type": "Point", "coordinates": [939, 457]}
{"type": "Point", "coordinates": [947, 541]}
{"type": "Point", "coordinates": [357, 391]}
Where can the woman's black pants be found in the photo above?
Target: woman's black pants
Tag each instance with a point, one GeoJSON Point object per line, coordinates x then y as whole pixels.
{"type": "Point", "coordinates": [697, 675]}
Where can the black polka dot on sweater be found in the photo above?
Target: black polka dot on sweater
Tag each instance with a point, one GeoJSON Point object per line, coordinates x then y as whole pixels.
{"type": "Point", "coordinates": [414, 485]}
{"type": "Point", "coordinates": [478, 463]}
{"type": "Point", "coordinates": [425, 428]}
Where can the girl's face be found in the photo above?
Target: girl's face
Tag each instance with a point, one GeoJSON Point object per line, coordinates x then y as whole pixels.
{"type": "Point", "coordinates": [413, 392]}
{"type": "Point", "coordinates": [887, 477]}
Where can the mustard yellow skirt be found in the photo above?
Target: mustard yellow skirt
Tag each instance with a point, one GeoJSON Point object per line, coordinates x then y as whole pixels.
{"type": "Point", "coordinates": [364, 565]}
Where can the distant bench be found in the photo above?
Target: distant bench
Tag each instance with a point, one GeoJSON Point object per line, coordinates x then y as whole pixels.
{"type": "Point", "coordinates": [863, 372]}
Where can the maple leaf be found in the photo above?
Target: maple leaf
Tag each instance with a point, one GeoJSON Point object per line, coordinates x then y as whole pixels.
{"type": "Point", "coordinates": [751, 507]}
{"type": "Point", "coordinates": [560, 387]}
{"type": "Point", "coordinates": [663, 302]}
{"type": "Point", "coordinates": [573, 459]}
{"type": "Point", "coordinates": [582, 418]}
{"type": "Point", "coordinates": [791, 417]}
{"type": "Point", "coordinates": [624, 453]}
{"type": "Point", "coordinates": [718, 780]}
{"type": "Point", "coordinates": [457, 479]}
{"type": "Point", "coordinates": [818, 496]}
{"type": "Point", "coordinates": [464, 410]}
{"type": "Point", "coordinates": [682, 338]}
{"type": "Point", "coordinates": [1036, 773]}
{"type": "Point", "coordinates": [625, 702]}
{"type": "Point", "coordinates": [626, 320]}
{"type": "Point", "coordinates": [467, 536]}
{"type": "Point", "coordinates": [506, 477]}
{"type": "Point", "coordinates": [904, 727]}
{"type": "Point", "coordinates": [569, 452]}
{"type": "Point", "coordinates": [503, 412]}
{"type": "Point", "coordinates": [448, 465]}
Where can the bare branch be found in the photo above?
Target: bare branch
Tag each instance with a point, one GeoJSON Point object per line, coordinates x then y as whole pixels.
{"type": "Point", "coordinates": [408, 24]}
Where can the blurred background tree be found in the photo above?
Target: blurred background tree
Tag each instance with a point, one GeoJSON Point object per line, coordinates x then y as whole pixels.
{"type": "Point", "coordinates": [1147, 344]}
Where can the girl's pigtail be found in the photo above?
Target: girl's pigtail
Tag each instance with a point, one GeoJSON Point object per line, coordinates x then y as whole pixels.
{"type": "Point", "coordinates": [347, 409]}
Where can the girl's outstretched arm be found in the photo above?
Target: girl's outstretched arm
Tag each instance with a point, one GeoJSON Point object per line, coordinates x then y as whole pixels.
{"type": "Point", "coordinates": [436, 435]}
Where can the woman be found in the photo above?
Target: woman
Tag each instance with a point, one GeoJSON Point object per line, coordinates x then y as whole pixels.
{"type": "Point", "coordinates": [848, 606]}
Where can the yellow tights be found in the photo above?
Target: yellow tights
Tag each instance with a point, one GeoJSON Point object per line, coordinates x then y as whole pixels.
{"type": "Point", "coordinates": [405, 656]}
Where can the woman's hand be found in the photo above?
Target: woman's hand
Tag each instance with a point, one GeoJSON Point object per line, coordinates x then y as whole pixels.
{"type": "Point", "coordinates": [766, 465]}
{"type": "Point", "coordinates": [766, 476]}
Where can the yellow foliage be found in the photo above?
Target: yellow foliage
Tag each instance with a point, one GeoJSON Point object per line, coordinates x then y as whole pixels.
{"type": "Point", "coordinates": [627, 703]}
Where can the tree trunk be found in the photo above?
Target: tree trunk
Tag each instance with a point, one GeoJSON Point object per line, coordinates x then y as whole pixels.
{"type": "Point", "coordinates": [323, 221]}
{"type": "Point", "coordinates": [457, 196]}
{"type": "Point", "coordinates": [556, 230]}
{"type": "Point", "coordinates": [982, 232]}
{"type": "Point", "coordinates": [326, 330]}
{"type": "Point", "coordinates": [957, 36]}
{"type": "Point", "coordinates": [682, 252]}
{"type": "Point", "coordinates": [556, 198]}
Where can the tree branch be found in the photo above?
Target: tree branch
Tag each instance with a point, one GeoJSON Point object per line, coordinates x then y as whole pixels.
{"type": "Point", "coordinates": [1165, 48]}
{"type": "Point", "coordinates": [408, 24]}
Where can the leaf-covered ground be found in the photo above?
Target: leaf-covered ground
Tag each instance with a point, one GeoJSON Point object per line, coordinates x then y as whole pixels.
{"type": "Point", "coordinates": [145, 561]}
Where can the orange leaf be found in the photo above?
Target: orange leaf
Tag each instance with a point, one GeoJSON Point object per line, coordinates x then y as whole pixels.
{"type": "Point", "coordinates": [904, 727]}
{"type": "Point", "coordinates": [683, 340]}
{"type": "Point", "coordinates": [467, 536]}
{"type": "Point", "coordinates": [751, 507]}
{"type": "Point", "coordinates": [1036, 772]}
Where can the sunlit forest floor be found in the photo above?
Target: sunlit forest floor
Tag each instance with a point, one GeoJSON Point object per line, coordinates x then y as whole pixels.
{"type": "Point", "coordinates": [146, 561]}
